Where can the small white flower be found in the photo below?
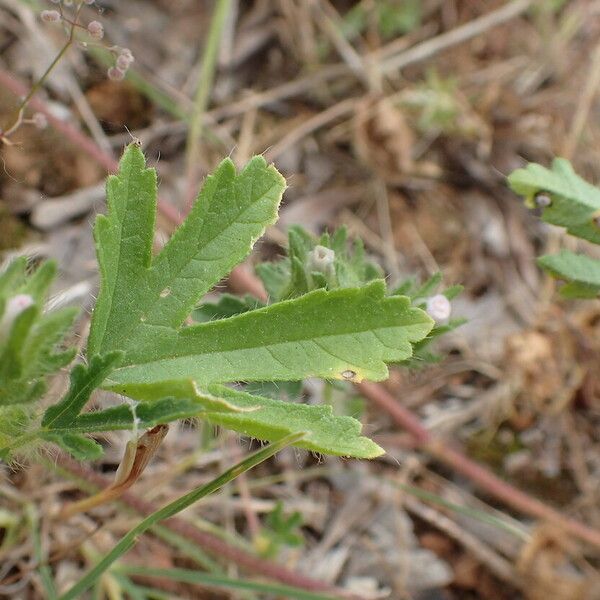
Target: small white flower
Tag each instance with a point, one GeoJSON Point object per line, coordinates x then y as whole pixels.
{"type": "Point", "coordinates": [438, 307]}
{"type": "Point", "coordinates": [321, 259]}
{"type": "Point", "coordinates": [13, 308]}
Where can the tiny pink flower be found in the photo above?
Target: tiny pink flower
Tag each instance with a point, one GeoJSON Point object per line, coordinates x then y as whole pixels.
{"type": "Point", "coordinates": [115, 74]}
{"type": "Point", "coordinates": [50, 16]}
{"type": "Point", "coordinates": [96, 30]}
{"type": "Point", "coordinates": [123, 62]}
{"type": "Point", "coordinates": [438, 307]}
{"type": "Point", "coordinates": [126, 52]}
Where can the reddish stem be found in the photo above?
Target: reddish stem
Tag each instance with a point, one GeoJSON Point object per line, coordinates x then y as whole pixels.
{"type": "Point", "coordinates": [208, 541]}
{"type": "Point", "coordinates": [486, 480]}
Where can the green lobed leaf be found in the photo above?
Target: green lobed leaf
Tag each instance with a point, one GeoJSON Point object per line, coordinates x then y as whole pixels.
{"type": "Point", "coordinates": [271, 419]}
{"type": "Point", "coordinates": [140, 295]}
{"type": "Point", "coordinates": [341, 334]}
{"type": "Point", "coordinates": [38, 283]}
{"type": "Point", "coordinates": [40, 354]}
{"type": "Point", "coordinates": [11, 359]}
{"type": "Point", "coordinates": [574, 203]}
{"type": "Point", "coordinates": [582, 273]}
{"type": "Point", "coordinates": [29, 346]}
{"type": "Point", "coordinates": [568, 201]}
{"type": "Point", "coordinates": [84, 380]}
{"type": "Point", "coordinates": [124, 249]}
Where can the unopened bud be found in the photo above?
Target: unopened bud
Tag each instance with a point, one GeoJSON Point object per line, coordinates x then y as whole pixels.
{"type": "Point", "coordinates": [50, 16]}
{"type": "Point", "coordinates": [128, 53]}
{"type": "Point", "coordinates": [13, 308]}
{"type": "Point", "coordinates": [542, 200]}
{"type": "Point", "coordinates": [438, 308]}
{"type": "Point", "coordinates": [123, 61]}
{"type": "Point", "coordinates": [96, 30]}
{"type": "Point", "coordinates": [321, 259]}
{"type": "Point", "coordinates": [115, 74]}
{"type": "Point", "coordinates": [39, 120]}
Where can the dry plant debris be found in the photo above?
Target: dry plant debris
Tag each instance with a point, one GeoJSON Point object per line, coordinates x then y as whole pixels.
{"type": "Point", "coordinates": [401, 125]}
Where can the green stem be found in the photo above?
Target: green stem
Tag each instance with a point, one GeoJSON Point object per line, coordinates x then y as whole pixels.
{"type": "Point", "coordinates": [129, 539]}
{"type": "Point", "coordinates": [38, 553]}
{"type": "Point", "coordinates": [205, 81]}
{"type": "Point", "coordinates": [216, 581]}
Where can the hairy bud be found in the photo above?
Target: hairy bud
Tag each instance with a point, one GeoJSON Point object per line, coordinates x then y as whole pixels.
{"type": "Point", "coordinates": [50, 16]}
{"type": "Point", "coordinates": [96, 30]}
{"type": "Point", "coordinates": [542, 200]}
{"type": "Point", "coordinates": [123, 62]}
{"type": "Point", "coordinates": [115, 74]}
{"type": "Point", "coordinates": [321, 259]}
{"type": "Point", "coordinates": [127, 52]}
{"type": "Point", "coordinates": [438, 307]}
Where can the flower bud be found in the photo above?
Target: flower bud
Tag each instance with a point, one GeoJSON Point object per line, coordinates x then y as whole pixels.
{"type": "Point", "coordinates": [127, 52]}
{"type": "Point", "coordinates": [39, 120]}
{"type": "Point", "coordinates": [13, 308]}
{"type": "Point", "coordinates": [123, 62]}
{"type": "Point", "coordinates": [50, 16]}
{"type": "Point", "coordinates": [96, 30]}
{"type": "Point", "coordinates": [438, 307]}
{"type": "Point", "coordinates": [542, 200]}
{"type": "Point", "coordinates": [115, 74]}
{"type": "Point", "coordinates": [321, 259]}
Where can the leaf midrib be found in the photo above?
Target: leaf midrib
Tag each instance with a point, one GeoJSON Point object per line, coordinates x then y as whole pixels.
{"type": "Point", "coordinates": [277, 343]}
